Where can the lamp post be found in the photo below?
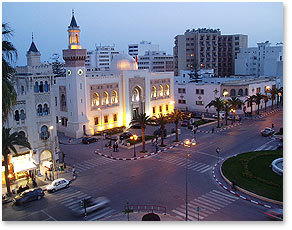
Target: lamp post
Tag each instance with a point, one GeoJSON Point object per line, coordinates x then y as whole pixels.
{"type": "Point", "coordinates": [134, 138]}
{"type": "Point", "coordinates": [187, 143]}
{"type": "Point", "coordinates": [52, 149]}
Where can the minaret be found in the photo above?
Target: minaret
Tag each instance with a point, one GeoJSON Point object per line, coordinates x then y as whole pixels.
{"type": "Point", "coordinates": [33, 56]}
{"type": "Point", "coordinates": [74, 58]}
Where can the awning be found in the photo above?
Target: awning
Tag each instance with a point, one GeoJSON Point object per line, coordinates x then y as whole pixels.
{"type": "Point", "coordinates": [23, 166]}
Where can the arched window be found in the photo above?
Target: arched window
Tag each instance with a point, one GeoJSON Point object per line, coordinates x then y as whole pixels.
{"type": "Point", "coordinates": [46, 109]}
{"type": "Point", "coordinates": [166, 92]}
{"type": "Point", "coordinates": [105, 98]}
{"type": "Point", "coordinates": [153, 92]}
{"type": "Point", "coordinates": [36, 87]}
{"type": "Point", "coordinates": [76, 36]}
{"type": "Point", "coordinates": [16, 115]}
{"type": "Point", "coordinates": [232, 93]}
{"type": "Point", "coordinates": [46, 86]}
{"type": "Point", "coordinates": [240, 92]}
{"type": "Point", "coordinates": [246, 92]}
{"type": "Point", "coordinates": [95, 99]}
{"type": "Point", "coordinates": [114, 97]}
{"type": "Point", "coordinates": [224, 92]}
{"type": "Point", "coordinates": [160, 92]}
{"type": "Point", "coordinates": [40, 110]}
{"type": "Point", "coordinates": [41, 87]}
{"type": "Point", "coordinates": [22, 115]}
{"type": "Point", "coordinates": [135, 95]}
{"type": "Point", "coordinates": [70, 39]}
{"type": "Point", "coordinates": [44, 132]}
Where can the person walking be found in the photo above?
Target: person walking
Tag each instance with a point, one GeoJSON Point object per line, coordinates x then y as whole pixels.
{"type": "Point", "coordinates": [117, 147]}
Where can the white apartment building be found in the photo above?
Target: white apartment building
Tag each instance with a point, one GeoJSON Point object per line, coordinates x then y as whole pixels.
{"type": "Point", "coordinates": [34, 116]}
{"type": "Point", "coordinates": [156, 61]}
{"type": "Point", "coordinates": [100, 58]}
{"type": "Point", "coordinates": [135, 50]}
{"type": "Point", "coordinates": [264, 60]}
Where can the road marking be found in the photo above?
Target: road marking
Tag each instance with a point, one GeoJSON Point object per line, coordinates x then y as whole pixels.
{"type": "Point", "coordinates": [227, 195]}
{"type": "Point", "coordinates": [207, 169]}
{"type": "Point", "coordinates": [48, 215]}
{"type": "Point", "coordinates": [211, 202]}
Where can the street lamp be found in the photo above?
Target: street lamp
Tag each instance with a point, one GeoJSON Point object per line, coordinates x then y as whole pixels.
{"type": "Point", "coordinates": [134, 138]}
{"type": "Point", "coordinates": [52, 149]}
{"type": "Point", "coordinates": [188, 143]}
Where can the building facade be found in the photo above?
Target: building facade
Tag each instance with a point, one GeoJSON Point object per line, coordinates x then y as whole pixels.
{"type": "Point", "coordinates": [101, 57]}
{"type": "Point", "coordinates": [135, 50]}
{"type": "Point", "coordinates": [89, 101]}
{"type": "Point", "coordinates": [156, 61]}
{"type": "Point", "coordinates": [34, 116]}
{"type": "Point", "coordinates": [207, 48]}
{"type": "Point", "coordinates": [264, 60]}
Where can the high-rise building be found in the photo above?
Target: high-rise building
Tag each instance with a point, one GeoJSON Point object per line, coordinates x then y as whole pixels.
{"type": "Point", "coordinates": [156, 61]}
{"type": "Point", "coordinates": [135, 50]}
{"type": "Point", "coordinates": [264, 60]}
{"type": "Point", "coordinates": [207, 48]}
{"type": "Point", "coordinates": [101, 57]}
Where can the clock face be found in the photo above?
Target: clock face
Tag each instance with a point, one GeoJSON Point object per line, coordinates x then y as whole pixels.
{"type": "Point", "coordinates": [69, 72]}
{"type": "Point", "coordinates": [80, 72]}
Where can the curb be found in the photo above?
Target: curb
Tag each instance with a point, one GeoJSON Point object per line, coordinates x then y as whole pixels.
{"type": "Point", "coordinates": [242, 190]}
{"type": "Point", "coordinates": [137, 158]}
{"type": "Point", "coordinates": [220, 130]}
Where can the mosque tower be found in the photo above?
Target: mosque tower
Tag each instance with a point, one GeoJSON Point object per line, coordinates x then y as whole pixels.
{"type": "Point", "coordinates": [33, 56]}
{"type": "Point", "coordinates": [74, 58]}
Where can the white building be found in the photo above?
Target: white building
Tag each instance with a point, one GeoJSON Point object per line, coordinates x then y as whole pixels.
{"type": "Point", "coordinates": [135, 50]}
{"type": "Point", "coordinates": [156, 61]}
{"type": "Point", "coordinates": [264, 60]}
{"type": "Point", "coordinates": [101, 57]}
{"type": "Point", "coordinates": [92, 101]}
{"type": "Point", "coordinates": [34, 116]}
{"type": "Point", "coordinates": [195, 96]}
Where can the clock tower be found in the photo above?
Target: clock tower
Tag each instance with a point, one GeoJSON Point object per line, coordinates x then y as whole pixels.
{"type": "Point", "coordinates": [74, 58]}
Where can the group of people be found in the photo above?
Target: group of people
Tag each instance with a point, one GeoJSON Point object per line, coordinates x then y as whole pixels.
{"type": "Point", "coordinates": [115, 146]}
{"type": "Point", "coordinates": [49, 176]}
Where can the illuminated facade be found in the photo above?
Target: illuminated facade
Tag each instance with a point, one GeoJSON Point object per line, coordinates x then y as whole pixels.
{"type": "Point", "coordinates": [89, 101]}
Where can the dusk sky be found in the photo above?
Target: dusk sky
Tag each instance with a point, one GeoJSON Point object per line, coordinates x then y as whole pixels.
{"type": "Point", "coordinates": [125, 23]}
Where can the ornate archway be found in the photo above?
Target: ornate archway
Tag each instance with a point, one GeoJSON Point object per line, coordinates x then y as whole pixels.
{"type": "Point", "coordinates": [137, 101]}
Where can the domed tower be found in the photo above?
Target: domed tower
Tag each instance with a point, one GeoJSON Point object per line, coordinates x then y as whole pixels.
{"type": "Point", "coordinates": [33, 56]}
{"type": "Point", "coordinates": [74, 58]}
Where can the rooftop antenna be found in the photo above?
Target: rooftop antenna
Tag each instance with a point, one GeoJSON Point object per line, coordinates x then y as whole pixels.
{"type": "Point", "coordinates": [72, 12]}
{"type": "Point", "coordinates": [32, 36]}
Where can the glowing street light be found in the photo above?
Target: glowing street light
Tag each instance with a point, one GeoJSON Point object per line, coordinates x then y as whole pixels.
{"type": "Point", "coordinates": [225, 93]}
{"type": "Point", "coordinates": [134, 138]}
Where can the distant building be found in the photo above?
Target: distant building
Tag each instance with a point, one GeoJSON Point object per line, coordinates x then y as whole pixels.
{"type": "Point", "coordinates": [207, 48]}
{"type": "Point", "coordinates": [34, 116]}
{"type": "Point", "coordinates": [135, 50]}
{"type": "Point", "coordinates": [264, 60]}
{"type": "Point", "coordinates": [156, 61]}
{"type": "Point", "coordinates": [101, 57]}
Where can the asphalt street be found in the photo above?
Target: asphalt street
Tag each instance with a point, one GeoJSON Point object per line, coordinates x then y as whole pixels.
{"type": "Point", "coordinates": [158, 180]}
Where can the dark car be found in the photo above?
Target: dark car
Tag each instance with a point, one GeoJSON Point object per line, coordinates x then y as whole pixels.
{"type": "Point", "coordinates": [28, 195]}
{"type": "Point", "coordinates": [136, 126]}
{"type": "Point", "coordinates": [88, 140]}
{"type": "Point", "coordinates": [125, 135]}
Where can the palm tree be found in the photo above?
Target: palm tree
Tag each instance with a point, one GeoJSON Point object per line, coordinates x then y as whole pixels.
{"type": "Point", "coordinates": [218, 103]}
{"type": "Point", "coordinates": [227, 108]}
{"type": "Point", "coordinates": [250, 100]}
{"type": "Point", "coordinates": [234, 102]}
{"type": "Point", "coordinates": [273, 93]}
{"type": "Point", "coordinates": [9, 141]}
{"type": "Point", "coordinates": [257, 99]}
{"type": "Point", "coordinates": [162, 120]}
{"type": "Point", "coordinates": [9, 54]}
{"type": "Point", "coordinates": [175, 117]}
{"type": "Point", "coordinates": [266, 99]}
{"type": "Point", "coordinates": [143, 120]}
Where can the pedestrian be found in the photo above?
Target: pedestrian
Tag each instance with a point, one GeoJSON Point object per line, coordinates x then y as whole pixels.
{"type": "Point", "coordinates": [73, 170]}
{"type": "Point", "coordinates": [272, 125]}
{"type": "Point", "coordinates": [46, 176]}
{"type": "Point", "coordinates": [117, 147]}
{"type": "Point", "coordinates": [213, 130]}
{"type": "Point", "coordinates": [110, 144]}
{"type": "Point", "coordinates": [156, 147]}
{"type": "Point", "coordinates": [50, 176]}
{"type": "Point", "coordinates": [114, 147]}
{"type": "Point", "coordinates": [34, 183]}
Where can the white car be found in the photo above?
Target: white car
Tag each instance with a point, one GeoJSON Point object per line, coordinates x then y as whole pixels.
{"type": "Point", "coordinates": [267, 132]}
{"type": "Point", "coordinates": [58, 184]}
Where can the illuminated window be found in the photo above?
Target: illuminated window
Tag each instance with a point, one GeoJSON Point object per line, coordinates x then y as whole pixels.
{"type": "Point", "coordinates": [95, 100]}
{"type": "Point", "coordinates": [96, 121]}
{"type": "Point", "coordinates": [44, 133]}
{"type": "Point", "coordinates": [166, 107]}
{"type": "Point", "coordinates": [153, 110]}
{"type": "Point", "coordinates": [160, 109]}
{"type": "Point", "coordinates": [135, 96]}
{"type": "Point", "coordinates": [166, 90]}
{"type": "Point", "coordinates": [105, 118]}
{"type": "Point", "coordinates": [114, 97]}
{"type": "Point", "coordinates": [105, 98]}
{"type": "Point", "coordinates": [76, 36]}
{"type": "Point", "coordinates": [153, 92]}
{"type": "Point", "coordinates": [115, 117]}
{"type": "Point", "coordinates": [160, 92]}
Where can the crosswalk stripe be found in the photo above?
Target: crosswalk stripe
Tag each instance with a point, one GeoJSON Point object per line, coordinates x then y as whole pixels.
{"type": "Point", "coordinates": [215, 200]}
{"type": "Point", "coordinates": [226, 197]}
{"type": "Point", "coordinates": [215, 204]}
{"type": "Point", "coordinates": [62, 196]}
{"type": "Point", "coordinates": [69, 196]}
{"type": "Point", "coordinates": [231, 196]}
{"type": "Point", "coordinates": [191, 215]}
{"type": "Point", "coordinates": [73, 203]}
{"type": "Point", "coordinates": [202, 210]}
{"type": "Point", "coordinates": [205, 166]}
{"type": "Point", "coordinates": [179, 213]}
{"type": "Point", "coordinates": [194, 210]}
{"type": "Point", "coordinates": [199, 165]}
{"type": "Point", "coordinates": [204, 205]}
{"type": "Point", "coordinates": [210, 167]}
{"type": "Point", "coordinates": [73, 199]}
{"type": "Point", "coordinates": [194, 165]}
{"type": "Point", "coordinates": [218, 198]}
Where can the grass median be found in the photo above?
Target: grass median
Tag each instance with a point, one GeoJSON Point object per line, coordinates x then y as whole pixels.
{"type": "Point", "coordinates": [251, 171]}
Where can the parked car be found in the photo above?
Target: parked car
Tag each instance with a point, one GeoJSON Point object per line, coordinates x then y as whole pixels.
{"type": "Point", "coordinates": [92, 205]}
{"type": "Point", "coordinates": [125, 135]}
{"type": "Point", "coordinates": [221, 114]}
{"type": "Point", "coordinates": [58, 184]}
{"type": "Point", "coordinates": [184, 123]}
{"type": "Point", "coordinates": [88, 140]}
{"type": "Point", "coordinates": [276, 214]}
{"type": "Point", "coordinates": [267, 132]}
{"type": "Point", "coordinates": [136, 126]}
{"type": "Point", "coordinates": [28, 195]}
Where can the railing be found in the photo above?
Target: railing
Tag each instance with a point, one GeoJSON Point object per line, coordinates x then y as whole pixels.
{"type": "Point", "coordinates": [146, 208]}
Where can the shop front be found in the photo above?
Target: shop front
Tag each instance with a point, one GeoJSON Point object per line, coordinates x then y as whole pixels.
{"type": "Point", "coordinates": [46, 162]}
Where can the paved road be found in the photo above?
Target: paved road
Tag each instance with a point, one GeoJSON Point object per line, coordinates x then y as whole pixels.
{"type": "Point", "coordinates": [158, 180]}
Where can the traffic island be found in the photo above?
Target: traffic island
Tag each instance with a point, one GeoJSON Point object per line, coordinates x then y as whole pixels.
{"type": "Point", "coordinates": [252, 174]}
